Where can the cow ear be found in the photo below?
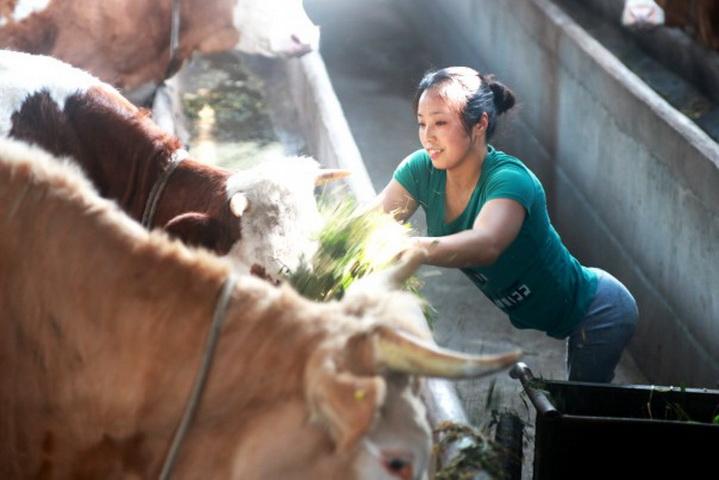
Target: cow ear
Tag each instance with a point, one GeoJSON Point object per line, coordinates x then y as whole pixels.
{"type": "Point", "coordinates": [239, 203]}
{"type": "Point", "coordinates": [344, 403]}
{"type": "Point", "coordinates": [196, 229]}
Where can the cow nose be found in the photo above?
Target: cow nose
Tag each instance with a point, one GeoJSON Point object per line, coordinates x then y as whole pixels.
{"type": "Point", "coordinates": [643, 13]}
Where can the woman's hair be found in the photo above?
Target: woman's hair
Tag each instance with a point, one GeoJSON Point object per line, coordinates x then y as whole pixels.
{"type": "Point", "coordinates": [475, 94]}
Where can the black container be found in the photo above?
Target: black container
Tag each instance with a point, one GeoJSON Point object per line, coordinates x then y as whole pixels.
{"type": "Point", "coordinates": [590, 430]}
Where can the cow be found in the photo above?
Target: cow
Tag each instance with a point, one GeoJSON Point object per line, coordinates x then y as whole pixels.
{"type": "Point", "coordinates": [127, 42]}
{"type": "Point", "coordinates": [104, 327]}
{"type": "Point", "coordinates": [132, 161]}
{"type": "Point", "coordinates": [699, 17]}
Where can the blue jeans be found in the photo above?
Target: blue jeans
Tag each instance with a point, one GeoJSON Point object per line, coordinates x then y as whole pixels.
{"type": "Point", "coordinates": [595, 346]}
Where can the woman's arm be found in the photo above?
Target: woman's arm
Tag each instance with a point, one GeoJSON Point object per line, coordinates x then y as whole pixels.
{"type": "Point", "coordinates": [395, 199]}
{"type": "Point", "coordinates": [496, 226]}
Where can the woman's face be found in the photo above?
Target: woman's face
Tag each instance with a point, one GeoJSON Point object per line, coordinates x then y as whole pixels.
{"type": "Point", "coordinates": [442, 132]}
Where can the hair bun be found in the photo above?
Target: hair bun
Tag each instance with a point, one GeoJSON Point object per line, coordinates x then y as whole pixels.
{"type": "Point", "coordinates": [503, 97]}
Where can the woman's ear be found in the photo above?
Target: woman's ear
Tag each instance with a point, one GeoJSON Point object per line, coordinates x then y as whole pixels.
{"type": "Point", "coordinates": [482, 124]}
{"type": "Point", "coordinates": [479, 130]}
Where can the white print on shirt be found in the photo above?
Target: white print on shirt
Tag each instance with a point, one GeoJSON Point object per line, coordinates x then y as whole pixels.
{"type": "Point", "coordinates": [513, 299]}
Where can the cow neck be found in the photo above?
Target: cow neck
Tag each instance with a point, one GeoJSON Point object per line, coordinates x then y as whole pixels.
{"type": "Point", "coordinates": [110, 286]}
{"type": "Point", "coordinates": [193, 187]}
{"type": "Point", "coordinates": [118, 146]}
{"type": "Point", "coordinates": [218, 318]}
{"type": "Point", "coordinates": [158, 187]}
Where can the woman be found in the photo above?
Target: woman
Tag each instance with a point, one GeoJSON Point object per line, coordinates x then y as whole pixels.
{"type": "Point", "coordinates": [486, 214]}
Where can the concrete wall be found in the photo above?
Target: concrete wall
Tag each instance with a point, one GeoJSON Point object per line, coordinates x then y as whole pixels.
{"type": "Point", "coordinates": [633, 186]}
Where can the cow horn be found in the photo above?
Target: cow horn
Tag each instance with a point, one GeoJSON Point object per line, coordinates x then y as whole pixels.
{"type": "Point", "coordinates": [238, 204]}
{"type": "Point", "coordinates": [327, 175]}
{"type": "Point", "coordinates": [401, 352]}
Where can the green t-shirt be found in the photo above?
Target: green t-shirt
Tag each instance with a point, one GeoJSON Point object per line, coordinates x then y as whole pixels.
{"type": "Point", "coordinates": [536, 281]}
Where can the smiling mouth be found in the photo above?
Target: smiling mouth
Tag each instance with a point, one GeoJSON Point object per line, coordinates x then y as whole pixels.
{"type": "Point", "coordinates": [433, 152]}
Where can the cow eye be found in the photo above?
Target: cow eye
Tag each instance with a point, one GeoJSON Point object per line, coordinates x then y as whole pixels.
{"type": "Point", "coordinates": [399, 468]}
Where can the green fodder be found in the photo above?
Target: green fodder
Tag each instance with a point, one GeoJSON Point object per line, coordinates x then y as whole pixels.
{"type": "Point", "coordinates": [477, 453]}
{"type": "Point", "coordinates": [353, 243]}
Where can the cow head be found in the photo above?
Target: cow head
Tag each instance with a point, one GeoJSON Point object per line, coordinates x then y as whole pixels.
{"type": "Point", "coordinates": [366, 391]}
{"type": "Point", "coordinates": [274, 28]}
{"type": "Point", "coordinates": [360, 415]}
{"type": "Point", "coordinates": [277, 211]}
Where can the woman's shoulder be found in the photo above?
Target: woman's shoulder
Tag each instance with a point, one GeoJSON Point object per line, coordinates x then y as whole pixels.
{"type": "Point", "coordinates": [503, 159]}
{"type": "Point", "coordinates": [509, 176]}
{"type": "Point", "coordinates": [502, 162]}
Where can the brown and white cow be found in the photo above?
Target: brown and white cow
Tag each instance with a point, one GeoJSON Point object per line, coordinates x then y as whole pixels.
{"type": "Point", "coordinates": [103, 329]}
{"type": "Point", "coordinates": [698, 17]}
{"type": "Point", "coordinates": [126, 155]}
{"type": "Point", "coordinates": [127, 42]}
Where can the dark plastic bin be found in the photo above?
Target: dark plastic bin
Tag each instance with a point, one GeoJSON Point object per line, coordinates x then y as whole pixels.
{"type": "Point", "coordinates": [589, 430]}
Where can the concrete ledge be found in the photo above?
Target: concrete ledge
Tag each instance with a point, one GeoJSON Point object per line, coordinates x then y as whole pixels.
{"type": "Point", "coordinates": [326, 130]}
